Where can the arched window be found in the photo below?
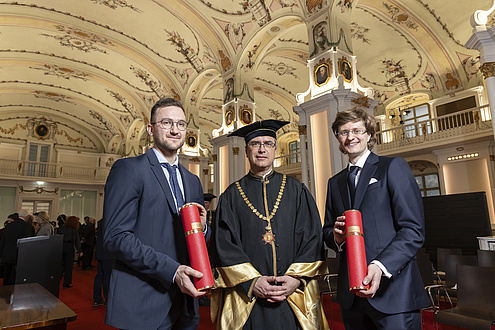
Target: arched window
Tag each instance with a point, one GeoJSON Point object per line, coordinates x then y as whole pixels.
{"type": "Point", "coordinates": [426, 175]}
{"type": "Point", "coordinates": [294, 152]}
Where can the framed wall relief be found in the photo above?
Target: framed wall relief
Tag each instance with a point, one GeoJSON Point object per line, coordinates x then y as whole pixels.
{"type": "Point", "coordinates": [345, 69]}
{"type": "Point", "coordinates": [229, 117]}
{"type": "Point", "coordinates": [191, 140]}
{"type": "Point", "coordinates": [246, 116]}
{"type": "Point", "coordinates": [41, 130]}
{"type": "Point", "coordinates": [322, 74]}
{"type": "Point", "coordinates": [229, 90]}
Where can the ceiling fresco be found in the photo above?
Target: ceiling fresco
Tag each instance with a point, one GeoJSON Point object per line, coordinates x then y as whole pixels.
{"type": "Point", "coordinates": [93, 68]}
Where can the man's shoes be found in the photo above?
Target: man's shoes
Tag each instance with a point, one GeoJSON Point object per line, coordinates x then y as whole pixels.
{"type": "Point", "coordinates": [98, 304]}
{"type": "Point", "coordinates": [68, 285]}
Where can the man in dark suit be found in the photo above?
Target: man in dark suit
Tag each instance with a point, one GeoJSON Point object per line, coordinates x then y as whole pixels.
{"type": "Point", "coordinates": [105, 263]}
{"type": "Point", "coordinates": [88, 243]}
{"type": "Point", "coordinates": [384, 190]}
{"type": "Point", "coordinates": [8, 244]}
{"type": "Point", "coordinates": [210, 214]}
{"type": "Point", "coordinates": [150, 286]}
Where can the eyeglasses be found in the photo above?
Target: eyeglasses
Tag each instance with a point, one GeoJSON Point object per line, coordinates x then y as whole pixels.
{"type": "Point", "coordinates": [257, 144]}
{"type": "Point", "coordinates": [357, 131]}
{"type": "Point", "coordinates": [168, 123]}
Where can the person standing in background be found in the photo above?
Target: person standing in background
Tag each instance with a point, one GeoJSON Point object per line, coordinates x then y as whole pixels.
{"type": "Point", "coordinates": [8, 244]}
{"type": "Point", "coordinates": [71, 244]}
{"type": "Point", "coordinates": [88, 244]}
{"type": "Point", "coordinates": [30, 220]}
{"type": "Point", "coordinates": [82, 233]}
{"type": "Point", "coordinates": [105, 264]}
{"type": "Point", "coordinates": [210, 214]}
{"type": "Point", "coordinates": [45, 227]}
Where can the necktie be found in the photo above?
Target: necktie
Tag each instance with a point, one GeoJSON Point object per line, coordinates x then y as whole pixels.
{"type": "Point", "coordinates": [172, 176]}
{"type": "Point", "coordinates": [351, 181]}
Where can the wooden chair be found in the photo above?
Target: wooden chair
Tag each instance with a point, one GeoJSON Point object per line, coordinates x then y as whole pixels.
{"type": "Point", "coordinates": [441, 254]}
{"type": "Point", "coordinates": [475, 299]}
{"type": "Point", "coordinates": [432, 288]}
{"type": "Point", "coordinates": [331, 283]}
{"type": "Point", "coordinates": [451, 262]}
{"type": "Point", "coordinates": [486, 258]}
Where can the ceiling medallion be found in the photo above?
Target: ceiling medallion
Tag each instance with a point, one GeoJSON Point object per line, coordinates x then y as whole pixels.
{"type": "Point", "coordinates": [276, 29]}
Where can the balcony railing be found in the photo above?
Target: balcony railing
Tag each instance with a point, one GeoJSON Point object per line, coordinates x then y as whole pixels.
{"type": "Point", "coordinates": [462, 123]}
{"type": "Point", "coordinates": [37, 170]}
{"type": "Point", "coordinates": [289, 161]}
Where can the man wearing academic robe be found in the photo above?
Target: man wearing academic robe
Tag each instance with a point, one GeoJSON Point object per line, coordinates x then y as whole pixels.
{"type": "Point", "coordinates": [210, 213]}
{"type": "Point", "coordinates": [267, 246]}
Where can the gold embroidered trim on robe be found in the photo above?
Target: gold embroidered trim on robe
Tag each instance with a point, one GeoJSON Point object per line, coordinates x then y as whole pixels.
{"type": "Point", "coordinates": [307, 305]}
{"type": "Point", "coordinates": [230, 307]}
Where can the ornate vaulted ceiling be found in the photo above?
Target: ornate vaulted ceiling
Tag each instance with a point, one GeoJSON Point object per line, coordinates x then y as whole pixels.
{"type": "Point", "coordinates": [93, 68]}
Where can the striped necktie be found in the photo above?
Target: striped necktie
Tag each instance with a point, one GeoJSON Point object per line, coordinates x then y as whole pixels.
{"type": "Point", "coordinates": [351, 181]}
{"type": "Point", "coordinates": [172, 175]}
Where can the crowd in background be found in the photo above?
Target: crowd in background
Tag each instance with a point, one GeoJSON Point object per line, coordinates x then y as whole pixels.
{"type": "Point", "coordinates": [79, 242]}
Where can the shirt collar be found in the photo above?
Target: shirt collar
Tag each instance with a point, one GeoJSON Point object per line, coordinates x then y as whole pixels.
{"type": "Point", "coordinates": [361, 161]}
{"type": "Point", "coordinates": [161, 158]}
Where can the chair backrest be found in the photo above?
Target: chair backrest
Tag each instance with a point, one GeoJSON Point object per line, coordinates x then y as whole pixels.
{"type": "Point", "coordinates": [475, 289]}
{"type": "Point", "coordinates": [486, 258]}
{"type": "Point", "coordinates": [333, 268]}
{"type": "Point", "coordinates": [425, 268]}
{"type": "Point", "coordinates": [451, 262]}
{"type": "Point", "coordinates": [441, 253]}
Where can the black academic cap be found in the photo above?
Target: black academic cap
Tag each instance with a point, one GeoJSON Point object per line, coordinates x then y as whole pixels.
{"type": "Point", "coordinates": [208, 197]}
{"type": "Point", "coordinates": [267, 127]}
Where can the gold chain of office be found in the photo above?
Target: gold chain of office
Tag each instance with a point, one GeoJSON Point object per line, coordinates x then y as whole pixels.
{"type": "Point", "coordinates": [275, 207]}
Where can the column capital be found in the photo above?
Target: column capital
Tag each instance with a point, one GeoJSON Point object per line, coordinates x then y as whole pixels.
{"type": "Point", "coordinates": [488, 69]}
{"type": "Point", "coordinates": [302, 130]}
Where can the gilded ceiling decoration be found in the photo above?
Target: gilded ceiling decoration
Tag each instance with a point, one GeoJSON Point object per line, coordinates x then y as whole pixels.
{"type": "Point", "coordinates": [95, 67]}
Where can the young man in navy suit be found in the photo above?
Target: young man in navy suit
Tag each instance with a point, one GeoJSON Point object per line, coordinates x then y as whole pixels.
{"type": "Point", "coordinates": [150, 286]}
{"type": "Point", "coordinates": [389, 200]}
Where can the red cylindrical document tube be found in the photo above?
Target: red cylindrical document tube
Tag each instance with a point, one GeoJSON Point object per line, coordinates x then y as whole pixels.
{"type": "Point", "coordinates": [196, 246]}
{"type": "Point", "coordinates": [356, 255]}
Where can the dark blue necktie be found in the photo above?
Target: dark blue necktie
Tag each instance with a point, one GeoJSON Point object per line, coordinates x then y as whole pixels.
{"type": "Point", "coordinates": [172, 176]}
{"type": "Point", "coordinates": [351, 181]}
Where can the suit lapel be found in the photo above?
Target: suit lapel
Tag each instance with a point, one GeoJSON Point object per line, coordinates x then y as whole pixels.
{"type": "Point", "coordinates": [161, 178]}
{"type": "Point", "coordinates": [185, 183]}
{"type": "Point", "coordinates": [366, 174]}
{"type": "Point", "coordinates": [344, 190]}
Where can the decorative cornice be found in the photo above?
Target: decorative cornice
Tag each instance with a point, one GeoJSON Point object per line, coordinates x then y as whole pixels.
{"type": "Point", "coordinates": [38, 190]}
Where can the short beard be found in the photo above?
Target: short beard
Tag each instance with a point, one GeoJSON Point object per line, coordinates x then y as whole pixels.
{"type": "Point", "coordinates": [165, 146]}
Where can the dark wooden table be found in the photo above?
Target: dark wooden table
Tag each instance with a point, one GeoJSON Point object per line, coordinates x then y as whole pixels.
{"type": "Point", "coordinates": [28, 306]}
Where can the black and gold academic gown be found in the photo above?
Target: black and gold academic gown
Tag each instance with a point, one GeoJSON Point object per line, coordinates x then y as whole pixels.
{"type": "Point", "coordinates": [267, 227]}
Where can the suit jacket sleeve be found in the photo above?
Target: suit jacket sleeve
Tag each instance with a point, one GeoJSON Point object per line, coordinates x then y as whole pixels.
{"type": "Point", "coordinates": [408, 217]}
{"type": "Point", "coordinates": [330, 217]}
{"type": "Point", "coordinates": [123, 192]}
